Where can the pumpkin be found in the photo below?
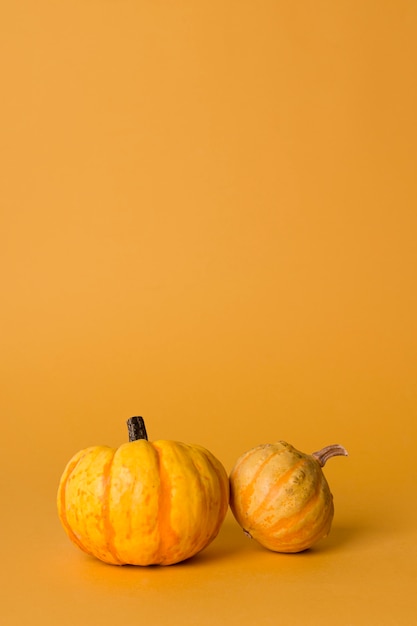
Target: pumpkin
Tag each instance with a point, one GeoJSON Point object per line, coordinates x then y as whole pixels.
{"type": "Point", "coordinates": [143, 503]}
{"type": "Point", "coordinates": [280, 496]}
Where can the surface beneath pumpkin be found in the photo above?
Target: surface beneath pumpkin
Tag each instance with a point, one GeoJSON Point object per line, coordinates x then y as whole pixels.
{"type": "Point", "coordinates": [363, 573]}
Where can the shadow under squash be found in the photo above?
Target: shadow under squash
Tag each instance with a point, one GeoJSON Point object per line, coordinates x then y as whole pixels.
{"type": "Point", "coordinates": [230, 540]}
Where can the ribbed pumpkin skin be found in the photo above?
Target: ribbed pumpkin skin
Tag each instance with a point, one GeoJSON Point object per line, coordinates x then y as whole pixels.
{"type": "Point", "coordinates": [143, 503]}
{"type": "Point", "coordinates": [280, 496]}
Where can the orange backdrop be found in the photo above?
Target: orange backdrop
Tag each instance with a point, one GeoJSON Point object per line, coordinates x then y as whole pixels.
{"type": "Point", "coordinates": [208, 217]}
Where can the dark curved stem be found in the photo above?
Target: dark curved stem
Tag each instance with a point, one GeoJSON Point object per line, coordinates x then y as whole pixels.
{"type": "Point", "coordinates": [136, 428]}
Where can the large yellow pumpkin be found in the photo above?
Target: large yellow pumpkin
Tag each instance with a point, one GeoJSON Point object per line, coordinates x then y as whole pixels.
{"type": "Point", "coordinates": [143, 503]}
{"type": "Point", "coordinates": [280, 496]}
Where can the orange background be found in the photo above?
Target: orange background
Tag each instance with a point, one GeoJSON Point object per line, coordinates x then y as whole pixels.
{"type": "Point", "coordinates": [208, 217]}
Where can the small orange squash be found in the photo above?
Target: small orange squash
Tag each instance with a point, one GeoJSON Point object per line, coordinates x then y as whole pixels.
{"type": "Point", "coordinates": [143, 503]}
{"type": "Point", "coordinates": [280, 496]}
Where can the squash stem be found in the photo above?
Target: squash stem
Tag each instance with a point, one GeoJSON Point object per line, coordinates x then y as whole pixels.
{"type": "Point", "coordinates": [136, 428]}
{"type": "Point", "coordinates": [326, 453]}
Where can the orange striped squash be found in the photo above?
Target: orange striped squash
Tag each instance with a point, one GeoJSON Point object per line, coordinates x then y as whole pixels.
{"type": "Point", "coordinates": [280, 496]}
{"type": "Point", "coordinates": [143, 503]}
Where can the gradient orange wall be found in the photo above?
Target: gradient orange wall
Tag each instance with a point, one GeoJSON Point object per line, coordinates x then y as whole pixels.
{"type": "Point", "coordinates": [208, 217]}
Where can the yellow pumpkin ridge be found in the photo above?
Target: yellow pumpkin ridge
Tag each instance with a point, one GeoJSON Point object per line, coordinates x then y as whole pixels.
{"type": "Point", "coordinates": [200, 539]}
{"type": "Point", "coordinates": [108, 528]}
{"type": "Point", "coordinates": [62, 500]}
{"type": "Point", "coordinates": [223, 484]}
{"type": "Point", "coordinates": [224, 493]}
{"type": "Point", "coordinates": [167, 536]}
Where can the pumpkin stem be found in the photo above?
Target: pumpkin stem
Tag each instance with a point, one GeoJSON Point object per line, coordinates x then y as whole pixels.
{"type": "Point", "coordinates": [326, 453]}
{"type": "Point", "coordinates": [136, 428]}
